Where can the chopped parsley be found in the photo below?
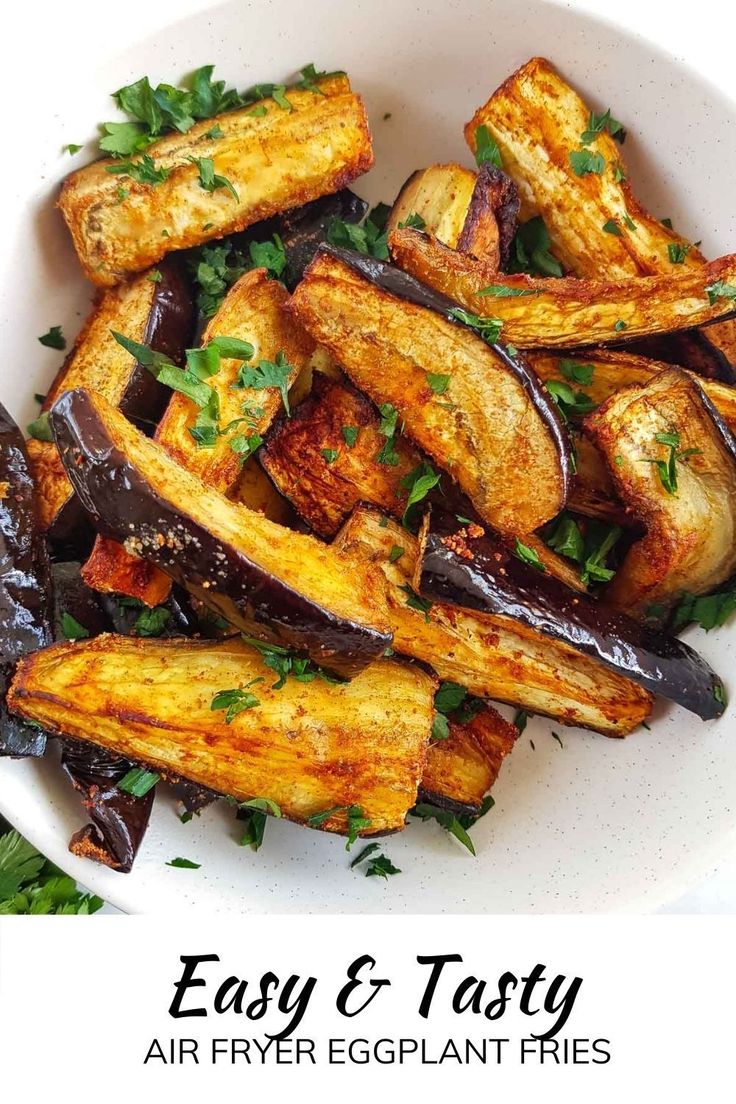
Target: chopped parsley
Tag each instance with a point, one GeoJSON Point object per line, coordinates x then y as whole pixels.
{"type": "Point", "coordinates": [412, 222]}
{"type": "Point", "coordinates": [413, 601]}
{"type": "Point", "coordinates": [530, 250]}
{"type": "Point", "coordinates": [40, 428]}
{"type": "Point", "coordinates": [396, 553]}
{"type": "Point", "coordinates": [720, 290]}
{"type": "Point", "coordinates": [612, 227]}
{"type": "Point", "coordinates": [438, 383]}
{"type": "Point", "coordinates": [629, 222]}
{"type": "Point", "coordinates": [566, 539]}
{"type": "Point", "coordinates": [486, 148]}
{"type": "Point", "coordinates": [388, 428]}
{"type": "Point", "coordinates": [270, 255]}
{"type": "Point", "coordinates": [589, 548]}
{"type": "Point", "coordinates": [138, 781]}
{"type": "Point", "coordinates": [215, 268]}
{"type": "Point", "coordinates": [528, 555]}
{"type": "Point", "coordinates": [310, 76]}
{"type": "Point", "coordinates": [72, 629]}
{"type": "Point", "coordinates": [71, 148]}
{"type": "Point", "coordinates": [268, 374]}
{"type": "Point", "coordinates": [209, 180]}
{"type": "Point", "coordinates": [570, 403]}
{"type": "Point", "coordinates": [254, 814]}
{"type": "Point", "coordinates": [667, 469]}
{"type": "Point", "coordinates": [453, 825]}
{"type": "Point", "coordinates": [502, 291]}
{"type": "Point", "coordinates": [350, 435]}
{"type": "Point", "coordinates": [184, 864]}
{"type": "Point", "coordinates": [520, 720]}
{"type": "Point", "coordinates": [144, 171]}
{"type": "Point", "coordinates": [378, 866]}
{"type": "Point", "coordinates": [236, 701]}
{"type": "Point", "coordinates": [620, 325]}
{"type": "Point", "coordinates": [151, 622]}
{"type": "Point", "coordinates": [287, 664]}
{"type": "Point", "coordinates": [583, 162]}
{"type": "Point", "coordinates": [576, 372]}
{"type": "Point", "coordinates": [368, 237]}
{"type": "Point", "coordinates": [330, 455]}
{"type": "Point", "coordinates": [54, 339]}
{"type": "Point", "coordinates": [31, 885]}
{"type": "Point", "coordinates": [677, 252]}
{"type": "Point", "coordinates": [487, 328]}
{"type": "Point", "coordinates": [418, 483]}
{"type": "Point", "coordinates": [440, 727]}
{"type": "Point", "coordinates": [356, 820]}
{"type": "Point", "coordinates": [597, 124]}
{"type": "Point", "coordinates": [710, 611]}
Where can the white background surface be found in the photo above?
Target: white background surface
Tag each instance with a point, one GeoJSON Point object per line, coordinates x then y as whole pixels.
{"type": "Point", "coordinates": [76, 30]}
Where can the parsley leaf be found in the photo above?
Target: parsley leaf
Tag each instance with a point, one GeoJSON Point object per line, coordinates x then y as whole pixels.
{"type": "Point", "coordinates": [528, 555]}
{"type": "Point", "coordinates": [418, 483]}
{"type": "Point", "coordinates": [413, 221]}
{"type": "Point", "coordinates": [209, 180]}
{"type": "Point", "coordinates": [667, 469]}
{"type": "Point", "coordinates": [520, 720]}
{"type": "Point", "coordinates": [487, 328]}
{"type": "Point", "coordinates": [600, 539]}
{"type": "Point", "coordinates": [710, 611]}
{"type": "Point", "coordinates": [599, 123]}
{"type": "Point", "coordinates": [576, 372]}
{"type": "Point", "coordinates": [184, 864]}
{"type": "Point", "coordinates": [138, 781]}
{"type": "Point", "coordinates": [367, 238]}
{"type": "Point", "coordinates": [54, 339]}
{"type": "Point", "coordinates": [268, 374]}
{"type": "Point", "coordinates": [151, 622]}
{"type": "Point", "coordinates": [287, 664]}
{"type": "Point", "coordinates": [486, 148]}
{"type": "Point", "coordinates": [677, 252]}
{"type": "Point", "coordinates": [571, 403]}
{"type": "Point", "coordinates": [235, 701]}
{"type": "Point", "coordinates": [330, 455]}
{"type": "Point", "coordinates": [72, 629]}
{"type": "Point", "coordinates": [356, 819]}
{"type": "Point", "coordinates": [124, 139]}
{"type": "Point", "coordinates": [566, 539]}
{"type": "Point", "coordinates": [413, 601]}
{"type": "Point", "coordinates": [215, 268]}
{"type": "Point", "coordinates": [380, 866]}
{"type": "Point", "coordinates": [583, 162]}
{"type": "Point", "coordinates": [612, 227]}
{"type": "Point", "coordinates": [446, 820]}
{"type": "Point", "coordinates": [440, 727]}
{"type": "Point", "coordinates": [387, 428]}
{"type": "Point", "coordinates": [40, 428]}
{"type": "Point", "coordinates": [449, 697]}
{"type": "Point", "coordinates": [720, 290]}
{"type": "Point", "coordinates": [530, 250]}
{"type": "Point", "coordinates": [30, 885]}
{"type": "Point", "coordinates": [144, 171]}
{"type": "Point", "coordinates": [350, 435]}
{"type": "Point", "coordinates": [396, 553]}
{"type": "Point", "coordinates": [270, 255]}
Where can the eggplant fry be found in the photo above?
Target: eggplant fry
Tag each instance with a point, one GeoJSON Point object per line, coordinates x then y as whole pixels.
{"type": "Point", "coordinates": [461, 769]}
{"type": "Point", "coordinates": [264, 579]}
{"type": "Point", "coordinates": [492, 218]}
{"type": "Point", "coordinates": [492, 427]}
{"type": "Point", "coordinates": [568, 313]}
{"type": "Point", "coordinates": [309, 747]}
{"type": "Point", "coordinates": [494, 658]}
{"type": "Point", "coordinates": [256, 491]}
{"type": "Point", "coordinates": [159, 313]}
{"type": "Point", "coordinates": [673, 461]}
{"type": "Point", "coordinates": [271, 161]}
{"type": "Point", "coordinates": [25, 582]}
{"type": "Point", "coordinates": [441, 196]}
{"type": "Point", "coordinates": [538, 120]}
{"type": "Point", "coordinates": [253, 311]}
{"type": "Point", "coordinates": [476, 572]}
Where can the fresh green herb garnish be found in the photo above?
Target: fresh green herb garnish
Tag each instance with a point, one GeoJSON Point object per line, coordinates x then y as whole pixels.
{"type": "Point", "coordinates": [528, 555]}
{"type": "Point", "coordinates": [618, 174]}
{"type": "Point", "coordinates": [556, 736]}
{"type": "Point", "coordinates": [215, 132]}
{"type": "Point", "coordinates": [152, 622]}
{"type": "Point", "coordinates": [71, 148]}
{"type": "Point", "coordinates": [387, 428]}
{"type": "Point", "coordinates": [370, 849]}
{"type": "Point", "coordinates": [215, 268]}
{"type": "Point", "coordinates": [620, 325]}
{"type": "Point", "coordinates": [380, 866]}
{"type": "Point", "coordinates": [667, 469]}
{"type": "Point", "coordinates": [287, 664]}
{"type": "Point", "coordinates": [236, 701]}
{"type": "Point", "coordinates": [446, 820]}
{"type": "Point", "coordinates": [677, 252]}
{"type": "Point", "coordinates": [412, 222]}
{"type": "Point", "coordinates": [449, 697]}
{"type": "Point", "coordinates": [54, 339]}
{"type": "Point", "coordinates": [40, 428]}
{"type": "Point", "coordinates": [184, 864]}
{"type": "Point", "coordinates": [600, 539]}
{"type": "Point", "coordinates": [413, 601]}
{"type": "Point", "coordinates": [367, 238]}
{"type": "Point", "coordinates": [350, 435]}
{"type": "Point", "coordinates": [720, 290]}
{"type": "Point", "coordinates": [270, 255]}
{"type": "Point", "coordinates": [566, 539]}
{"type": "Point", "coordinates": [530, 250]}
{"type": "Point", "coordinates": [30, 885]}
{"type": "Point", "coordinates": [418, 483]}
{"type": "Point", "coordinates": [440, 727]}
{"type": "Point", "coordinates": [267, 374]}
{"type": "Point", "coordinates": [571, 403]}
{"type": "Point", "coordinates": [209, 180]}
{"type": "Point", "coordinates": [71, 628]}
{"type": "Point", "coordinates": [254, 814]}
{"type": "Point", "coordinates": [330, 455]}
{"type": "Point", "coordinates": [709, 611]}
{"type": "Point", "coordinates": [487, 328]}
{"type": "Point", "coordinates": [599, 123]}
{"type": "Point", "coordinates": [356, 819]}
{"type": "Point", "coordinates": [438, 383]}
{"type": "Point", "coordinates": [576, 372]}
{"type": "Point", "coordinates": [486, 148]}
{"type": "Point", "coordinates": [629, 223]}
{"type": "Point", "coordinates": [396, 553]}
{"type": "Point", "coordinates": [310, 76]}
{"type": "Point", "coordinates": [144, 171]}
{"type": "Point", "coordinates": [138, 781]}
{"type": "Point", "coordinates": [612, 227]}
{"type": "Point", "coordinates": [520, 720]}
{"type": "Point", "coordinates": [584, 161]}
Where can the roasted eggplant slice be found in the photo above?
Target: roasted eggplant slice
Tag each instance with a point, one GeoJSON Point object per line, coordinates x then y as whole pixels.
{"type": "Point", "coordinates": [492, 217]}
{"type": "Point", "coordinates": [308, 747]}
{"type": "Point", "coordinates": [673, 461]}
{"type": "Point", "coordinates": [597, 226]}
{"type": "Point", "coordinates": [493, 427]}
{"type": "Point", "coordinates": [303, 229]}
{"type": "Point", "coordinates": [461, 769]}
{"type": "Point", "coordinates": [479, 574]}
{"type": "Point", "coordinates": [494, 657]}
{"type": "Point", "coordinates": [256, 491]}
{"type": "Point", "coordinates": [253, 311]}
{"type": "Point", "coordinates": [272, 160]}
{"type": "Point", "coordinates": [567, 313]}
{"type": "Point", "coordinates": [261, 577]}
{"type": "Point", "coordinates": [441, 196]}
{"type": "Point", "coordinates": [25, 582]}
{"type": "Point", "coordinates": [692, 349]}
{"type": "Point", "coordinates": [156, 312]}
{"type": "Point", "coordinates": [325, 458]}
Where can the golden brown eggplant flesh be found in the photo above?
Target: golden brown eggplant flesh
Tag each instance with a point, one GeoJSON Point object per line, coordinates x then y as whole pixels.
{"type": "Point", "coordinates": [156, 312]}
{"type": "Point", "coordinates": [477, 572]}
{"type": "Point", "coordinates": [491, 221]}
{"type": "Point", "coordinates": [672, 459]}
{"type": "Point", "coordinates": [597, 226]}
{"type": "Point", "coordinates": [308, 747]}
{"type": "Point", "coordinates": [440, 195]}
{"type": "Point", "coordinates": [25, 582]}
{"type": "Point", "coordinates": [568, 313]}
{"type": "Point", "coordinates": [273, 160]}
{"type": "Point", "coordinates": [493, 427]}
{"type": "Point", "coordinates": [494, 658]}
{"type": "Point", "coordinates": [462, 768]}
{"type": "Point", "coordinates": [261, 577]}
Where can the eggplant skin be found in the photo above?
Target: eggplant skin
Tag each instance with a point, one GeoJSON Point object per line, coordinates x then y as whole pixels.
{"type": "Point", "coordinates": [303, 229]}
{"type": "Point", "coordinates": [568, 313]}
{"type": "Point", "coordinates": [264, 579]}
{"type": "Point", "coordinates": [492, 218]}
{"type": "Point", "coordinates": [478, 573]}
{"type": "Point", "coordinates": [462, 768]}
{"type": "Point", "coordinates": [309, 747]}
{"type": "Point", "coordinates": [690, 540]}
{"type": "Point", "coordinates": [275, 161]}
{"type": "Point", "coordinates": [25, 582]}
{"type": "Point", "coordinates": [159, 313]}
{"type": "Point", "coordinates": [502, 440]}
{"type": "Point", "coordinates": [493, 657]}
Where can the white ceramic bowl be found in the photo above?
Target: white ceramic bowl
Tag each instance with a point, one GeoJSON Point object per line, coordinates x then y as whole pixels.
{"type": "Point", "coordinates": [597, 825]}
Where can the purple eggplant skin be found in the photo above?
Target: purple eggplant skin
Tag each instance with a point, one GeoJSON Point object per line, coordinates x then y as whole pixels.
{"type": "Point", "coordinates": [118, 819]}
{"type": "Point", "coordinates": [689, 349]}
{"type": "Point", "coordinates": [25, 583]}
{"type": "Point", "coordinates": [120, 502]}
{"type": "Point", "coordinates": [303, 229]}
{"type": "Point", "coordinates": [392, 280]}
{"type": "Point", "coordinates": [494, 581]}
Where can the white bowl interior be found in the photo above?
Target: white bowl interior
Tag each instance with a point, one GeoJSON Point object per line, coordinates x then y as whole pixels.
{"type": "Point", "coordinates": [595, 825]}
